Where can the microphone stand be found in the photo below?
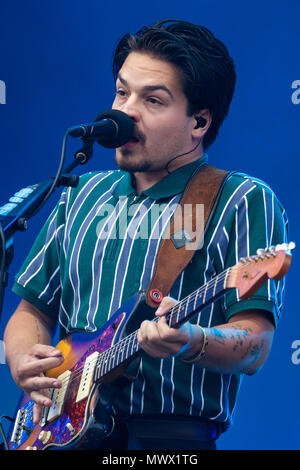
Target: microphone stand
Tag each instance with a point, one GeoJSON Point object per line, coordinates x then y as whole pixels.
{"type": "Point", "coordinates": [32, 200]}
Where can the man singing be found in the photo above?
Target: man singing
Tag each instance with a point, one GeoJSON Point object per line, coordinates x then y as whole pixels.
{"type": "Point", "coordinates": [176, 81]}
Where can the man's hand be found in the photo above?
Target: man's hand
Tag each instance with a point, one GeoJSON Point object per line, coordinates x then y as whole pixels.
{"type": "Point", "coordinates": [28, 372]}
{"type": "Point", "coordinates": [159, 340]}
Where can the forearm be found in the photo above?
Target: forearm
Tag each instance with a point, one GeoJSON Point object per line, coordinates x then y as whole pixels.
{"type": "Point", "coordinates": [29, 354]}
{"type": "Point", "coordinates": [25, 328]}
{"type": "Point", "coordinates": [240, 346]}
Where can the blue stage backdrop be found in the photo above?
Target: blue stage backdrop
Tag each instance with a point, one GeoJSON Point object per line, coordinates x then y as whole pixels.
{"type": "Point", "coordinates": [55, 72]}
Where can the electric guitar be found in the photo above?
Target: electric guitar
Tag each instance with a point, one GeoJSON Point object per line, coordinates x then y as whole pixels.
{"type": "Point", "coordinates": [97, 365]}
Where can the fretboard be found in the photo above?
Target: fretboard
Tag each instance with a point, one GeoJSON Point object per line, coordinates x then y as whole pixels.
{"type": "Point", "coordinates": [128, 347]}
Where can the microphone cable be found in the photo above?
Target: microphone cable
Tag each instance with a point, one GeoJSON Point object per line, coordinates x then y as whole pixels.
{"type": "Point", "coordinates": [56, 177]}
{"type": "Point", "coordinates": [37, 209]}
{"type": "Point", "coordinates": [181, 155]}
{"type": "Point", "coordinates": [2, 266]}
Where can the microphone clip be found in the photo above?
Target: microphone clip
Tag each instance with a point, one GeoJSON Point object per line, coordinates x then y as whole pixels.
{"type": "Point", "coordinates": [84, 154]}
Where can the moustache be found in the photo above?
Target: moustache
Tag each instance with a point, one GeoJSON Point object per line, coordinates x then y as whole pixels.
{"type": "Point", "coordinates": [139, 136]}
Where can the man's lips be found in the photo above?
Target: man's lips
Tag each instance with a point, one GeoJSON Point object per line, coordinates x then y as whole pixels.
{"type": "Point", "coordinates": [135, 139]}
{"type": "Point", "coordinates": [132, 142]}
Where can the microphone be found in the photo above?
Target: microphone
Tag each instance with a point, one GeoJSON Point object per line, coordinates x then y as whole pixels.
{"type": "Point", "coordinates": [111, 129]}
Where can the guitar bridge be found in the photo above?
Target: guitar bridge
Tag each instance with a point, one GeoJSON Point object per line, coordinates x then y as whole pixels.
{"type": "Point", "coordinates": [18, 427]}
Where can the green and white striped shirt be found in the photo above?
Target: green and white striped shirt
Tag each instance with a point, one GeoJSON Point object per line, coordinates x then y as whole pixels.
{"type": "Point", "coordinates": [98, 248]}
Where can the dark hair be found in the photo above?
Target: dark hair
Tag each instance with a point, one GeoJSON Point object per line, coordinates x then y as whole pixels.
{"type": "Point", "coordinates": [205, 64]}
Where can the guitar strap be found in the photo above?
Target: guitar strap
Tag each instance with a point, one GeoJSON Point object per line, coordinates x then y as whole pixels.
{"type": "Point", "coordinates": [186, 230]}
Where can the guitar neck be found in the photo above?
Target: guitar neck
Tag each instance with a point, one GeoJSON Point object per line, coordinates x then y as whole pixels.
{"type": "Point", "coordinates": [200, 298]}
{"type": "Point", "coordinates": [179, 314]}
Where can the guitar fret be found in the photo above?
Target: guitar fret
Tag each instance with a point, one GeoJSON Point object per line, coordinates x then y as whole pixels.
{"type": "Point", "coordinates": [119, 349]}
{"type": "Point", "coordinates": [219, 285]}
{"type": "Point", "coordinates": [197, 299]}
{"type": "Point", "coordinates": [111, 362]}
{"type": "Point", "coordinates": [215, 286]}
{"type": "Point", "coordinates": [123, 353]}
{"type": "Point", "coordinates": [104, 364]}
{"type": "Point", "coordinates": [205, 292]}
{"type": "Point", "coordinates": [225, 280]}
{"type": "Point", "coordinates": [135, 345]}
{"type": "Point", "coordinates": [186, 308]}
{"type": "Point", "coordinates": [99, 368]}
{"type": "Point", "coordinates": [132, 346]}
{"type": "Point", "coordinates": [178, 312]}
{"type": "Point", "coordinates": [129, 348]}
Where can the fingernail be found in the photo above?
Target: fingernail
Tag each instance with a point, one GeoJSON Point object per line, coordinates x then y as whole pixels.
{"type": "Point", "coordinates": [159, 311]}
{"type": "Point", "coordinates": [55, 352]}
{"type": "Point", "coordinates": [58, 356]}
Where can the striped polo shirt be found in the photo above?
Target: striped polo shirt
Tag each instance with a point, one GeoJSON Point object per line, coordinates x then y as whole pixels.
{"type": "Point", "coordinates": [98, 248]}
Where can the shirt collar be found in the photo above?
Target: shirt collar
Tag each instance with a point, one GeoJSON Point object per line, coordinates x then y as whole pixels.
{"type": "Point", "coordinates": [171, 184]}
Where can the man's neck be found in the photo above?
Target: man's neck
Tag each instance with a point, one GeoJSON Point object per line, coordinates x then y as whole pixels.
{"type": "Point", "coordinates": [145, 180]}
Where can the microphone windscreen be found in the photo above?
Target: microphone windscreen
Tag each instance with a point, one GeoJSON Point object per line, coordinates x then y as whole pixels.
{"type": "Point", "coordinates": [125, 128]}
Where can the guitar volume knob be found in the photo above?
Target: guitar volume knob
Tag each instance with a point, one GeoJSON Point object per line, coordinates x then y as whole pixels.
{"type": "Point", "coordinates": [45, 436]}
{"type": "Point", "coordinates": [71, 429]}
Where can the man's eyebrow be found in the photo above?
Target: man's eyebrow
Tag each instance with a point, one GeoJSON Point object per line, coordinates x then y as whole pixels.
{"type": "Point", "coordinates": [148, 87]}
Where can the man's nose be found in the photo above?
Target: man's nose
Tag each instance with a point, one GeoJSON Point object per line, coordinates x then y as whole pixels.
{"type": "Point", "coordinates": [131, 108]}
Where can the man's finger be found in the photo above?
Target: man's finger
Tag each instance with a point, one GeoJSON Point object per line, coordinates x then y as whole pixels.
{"type": "Point", "coordinates": [37, 413]}
{"type": "Point", "coordinates": [35, 367]}
{"type": "Point", "coordinates": [166, 304]}
{"type": "Point", "coordinates": [40, 383]}
{"type": "Point", "coordinates": [44, 350]}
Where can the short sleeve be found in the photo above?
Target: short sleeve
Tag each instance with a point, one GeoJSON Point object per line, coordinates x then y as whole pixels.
{"type": "Point", "coordinates": [38, 280]}
{"type": "Point", "coordinates": [258, 221]}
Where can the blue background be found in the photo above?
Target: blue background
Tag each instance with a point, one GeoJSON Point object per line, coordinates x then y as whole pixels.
{"type": "Point", "coordinates": [55, 58]}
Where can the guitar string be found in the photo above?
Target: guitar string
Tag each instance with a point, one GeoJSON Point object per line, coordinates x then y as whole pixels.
{"type": "Point", "coordinates": [104, 361]}
{"type": "Point", "coordinates": [172, 312]}
{"type": "Point", "coordinates": [121, 345]}
{"type": "Point", "coordinates": [131, 339]}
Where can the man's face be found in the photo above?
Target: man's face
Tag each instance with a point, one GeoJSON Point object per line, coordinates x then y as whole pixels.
{"type": "Point", "coordinates": [150, 91]}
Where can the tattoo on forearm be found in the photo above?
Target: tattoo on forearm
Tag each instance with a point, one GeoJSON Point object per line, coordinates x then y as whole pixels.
{"type": "Point", "coordinates": [240, 336]}
{"type": "Point", "coordinates": [254, 349]}
{"type": "Point", "coordinates": [218, 335]}
{"type": "Point", "coordinates": [38, 332]}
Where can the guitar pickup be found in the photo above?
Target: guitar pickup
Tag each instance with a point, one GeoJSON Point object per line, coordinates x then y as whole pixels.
{"type": "Point", "coordinates": [87, 377]}
{"type": "Point", "coordinates": [58, 396]}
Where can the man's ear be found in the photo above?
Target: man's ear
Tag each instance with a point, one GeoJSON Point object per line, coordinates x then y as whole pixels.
{"type": "Point", "coordinates": [202, 123]}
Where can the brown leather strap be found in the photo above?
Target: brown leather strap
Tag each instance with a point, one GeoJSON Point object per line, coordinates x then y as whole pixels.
{"type": "Point", "coordinates": [186, 230]}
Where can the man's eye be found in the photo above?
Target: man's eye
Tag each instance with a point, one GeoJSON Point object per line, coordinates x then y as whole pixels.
{"type": "Point", "coordinates": [154, 100]}
{"type": "Point", "coordinates": [120, 93]}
